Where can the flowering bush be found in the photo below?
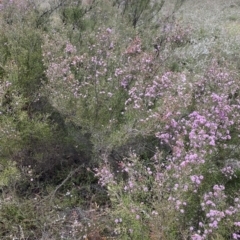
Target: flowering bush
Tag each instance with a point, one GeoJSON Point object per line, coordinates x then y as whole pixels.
{"type": "Point", "coordinates": [143, 106]}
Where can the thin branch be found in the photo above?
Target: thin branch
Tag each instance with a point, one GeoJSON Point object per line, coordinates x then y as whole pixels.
{"type": "Point", "coordinates": [63, 182]}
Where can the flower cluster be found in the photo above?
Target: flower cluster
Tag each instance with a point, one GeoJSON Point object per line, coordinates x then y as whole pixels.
{"type": "Point", "coordinates": [228, 172]}
{"type": "Point", "coordinates": [105, 176]}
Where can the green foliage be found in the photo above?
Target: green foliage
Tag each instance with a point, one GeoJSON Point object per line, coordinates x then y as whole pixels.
{"type": "Point", "coordinates": [73, 16]}
{"type": "Point", "coordinates": [9, 173]}
{"type": "Point", "coordinates": [25, 52]}
{"type": "Point", "coordinates": [18, 219]}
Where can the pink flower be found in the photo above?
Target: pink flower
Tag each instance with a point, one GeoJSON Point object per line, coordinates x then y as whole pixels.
{"type": "Point", "coordinates": [197, 237]}
{"type": "Point", "coordinates": [109, 30]}
{"type": "Point", "coordinates": [70, 48]}
{"type": "Point", "coordinates": [236, 236]}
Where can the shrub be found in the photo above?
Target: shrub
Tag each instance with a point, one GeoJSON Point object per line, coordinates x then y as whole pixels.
{"type": "Point", "coordinates": [145, 105]}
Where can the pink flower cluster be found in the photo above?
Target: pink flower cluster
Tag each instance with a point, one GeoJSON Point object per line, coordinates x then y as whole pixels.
{"type": "Point", "coordinates": [228, 172]}
{"type": "Point", "coordinates": [105, 176]}
{"type": "Point", "coordinates": [196, 180]}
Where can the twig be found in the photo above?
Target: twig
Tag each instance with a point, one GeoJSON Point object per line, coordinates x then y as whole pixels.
{"type": "Point", "coordinates": [63, 182]}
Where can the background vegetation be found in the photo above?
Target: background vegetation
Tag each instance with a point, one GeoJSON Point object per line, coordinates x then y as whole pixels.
{"type": "Point", "coordinates": [119, 119]}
